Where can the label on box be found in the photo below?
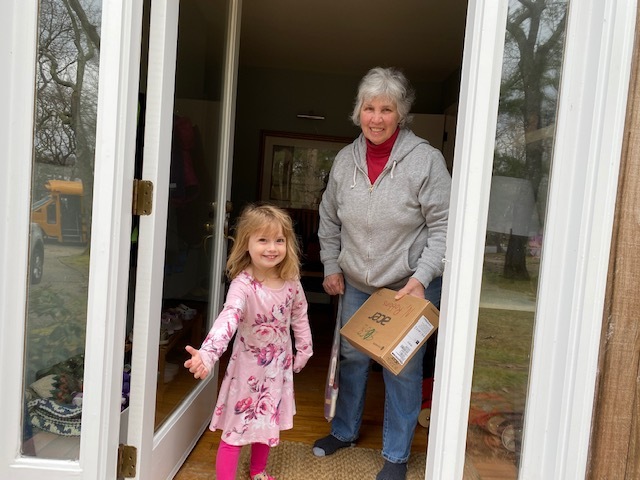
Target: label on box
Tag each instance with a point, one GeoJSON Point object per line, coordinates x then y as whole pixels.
{"type": "Point", "coordinates": [412, 340]}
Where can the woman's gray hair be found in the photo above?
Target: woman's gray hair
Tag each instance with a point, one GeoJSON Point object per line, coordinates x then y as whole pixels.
{"type": "Point", "coordinates": [385, 82]}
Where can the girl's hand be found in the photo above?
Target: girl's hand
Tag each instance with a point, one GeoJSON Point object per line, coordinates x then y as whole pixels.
{"type": "Point", "coordinates": [195, 363]}
{"type": "Point", "coordinates": [299, 362]}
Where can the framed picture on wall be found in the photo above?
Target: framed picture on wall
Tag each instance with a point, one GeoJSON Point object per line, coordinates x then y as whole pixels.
{"type": "Point", "coordinates": [295, 167]}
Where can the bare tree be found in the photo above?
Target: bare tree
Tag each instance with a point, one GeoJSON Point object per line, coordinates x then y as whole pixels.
{"type": "Point", "coordinates": [66, 87]}
{"type": "Point", "coordinates": [531, 77]}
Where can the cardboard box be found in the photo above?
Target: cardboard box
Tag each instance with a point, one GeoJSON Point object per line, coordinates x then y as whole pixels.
{"type": "Point", "coordinates": [391, 331]}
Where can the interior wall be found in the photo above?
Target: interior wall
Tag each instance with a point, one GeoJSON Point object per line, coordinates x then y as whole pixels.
{"type": "Point", "coordinates": [270, 99]}
{"type": "Point", "coordinates": [451, 91]}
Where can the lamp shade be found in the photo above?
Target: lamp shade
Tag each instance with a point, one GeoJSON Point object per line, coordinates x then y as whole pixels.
{"type": "Point", "coordinates": [512, 207]}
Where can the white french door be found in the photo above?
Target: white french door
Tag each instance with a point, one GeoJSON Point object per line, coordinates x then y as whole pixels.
{"type": "Point", "coordinates": [80, 325]}
{"type": "Point", "coordinates": [181, 247]}
{"type": "Point", "coordinates": [565, 306]}
{"type": "Point", "coordinates": [72, 320]}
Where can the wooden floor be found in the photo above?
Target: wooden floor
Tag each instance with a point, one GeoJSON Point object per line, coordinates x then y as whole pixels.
{"type": "Point", "coordinates": [310, 424]}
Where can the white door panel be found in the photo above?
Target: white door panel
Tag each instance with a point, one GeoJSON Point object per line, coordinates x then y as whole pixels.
{"type": "Point", "coordinates": [163, 34]}
{"type": "Point", "coordinates": [181, 245]}
{"type": "Point", "coordinates": [580, 134]}
{"type": "Point", "coordinates": [95, 316]}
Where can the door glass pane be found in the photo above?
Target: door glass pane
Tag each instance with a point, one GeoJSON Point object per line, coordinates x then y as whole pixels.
{"type": "Point", "coordinates": [531, 74]}
{"type": "Point", "coordinates": [62, 184]}
{"type": "Point", "coordinates": [192, 190]}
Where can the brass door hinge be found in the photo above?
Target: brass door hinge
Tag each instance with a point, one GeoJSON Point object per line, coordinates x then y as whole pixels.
{"type": "Point", "coordinates": [142, 197]}
{"type": "Point", "coordinates": [127, 459]}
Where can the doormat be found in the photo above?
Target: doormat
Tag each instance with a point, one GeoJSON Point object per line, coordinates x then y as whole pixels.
{"type": "Point", "coordinates": [296, 461]}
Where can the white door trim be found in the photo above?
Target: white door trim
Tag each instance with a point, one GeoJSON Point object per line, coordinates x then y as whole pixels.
{"type": "Point", "coordinates": [18, 35]}
{"type": "Point", "coordinates": [574, 267]}
{"type": "Point", "coordinates": [582, 195]}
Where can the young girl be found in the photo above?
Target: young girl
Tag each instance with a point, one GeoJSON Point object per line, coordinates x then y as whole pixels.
{"type": "Point", "coordinates": [265, 300]}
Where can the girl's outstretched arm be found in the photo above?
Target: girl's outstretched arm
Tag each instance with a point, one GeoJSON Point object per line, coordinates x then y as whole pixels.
{"type": "Point", "coordinates": [195, 363]}
{"type": "Point", "coordinates": [221, 333]}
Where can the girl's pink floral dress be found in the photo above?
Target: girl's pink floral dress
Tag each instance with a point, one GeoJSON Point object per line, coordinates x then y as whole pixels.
{"type": "Point", "coordinates": [256, 398]}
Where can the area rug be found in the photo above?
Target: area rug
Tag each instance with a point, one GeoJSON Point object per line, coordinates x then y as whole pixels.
{"type": "Point", "coordinates": [295, 461]}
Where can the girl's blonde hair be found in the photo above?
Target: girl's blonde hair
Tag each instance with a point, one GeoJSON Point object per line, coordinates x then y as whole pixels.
{"type": "Point", "coordinates": [264, 218]}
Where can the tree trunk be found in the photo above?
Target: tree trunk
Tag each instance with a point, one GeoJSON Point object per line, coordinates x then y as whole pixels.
{"type": "Point", "coordinates": [515, 264]}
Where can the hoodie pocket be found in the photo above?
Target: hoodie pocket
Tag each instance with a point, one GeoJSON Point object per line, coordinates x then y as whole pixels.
{"type": "Point", "coordinates": [381, 271]}
{"type": "Point", "coordinates": [390, 269]}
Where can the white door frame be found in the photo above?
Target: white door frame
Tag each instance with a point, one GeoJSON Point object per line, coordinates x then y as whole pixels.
{"type": "Point", "coordinates": [582, 196]}
{"type": "Point", "coordinates": [473, 158]}
{"type": "Point", "coordinates": [110, 244]}
{"type": "Point", "coordinates": [583, 187]}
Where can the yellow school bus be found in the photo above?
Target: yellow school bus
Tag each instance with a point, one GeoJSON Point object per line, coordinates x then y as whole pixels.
{"type": "Point", "coordinates": [60, 213]}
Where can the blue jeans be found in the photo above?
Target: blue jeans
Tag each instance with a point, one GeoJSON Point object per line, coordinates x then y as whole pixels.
{"type": "Point", "coordinates": [403, 392]}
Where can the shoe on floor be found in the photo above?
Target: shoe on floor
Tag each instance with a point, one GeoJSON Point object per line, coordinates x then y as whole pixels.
{"type": "Point", "coordinates": [171, 321]}
{"type": "Point", "coordinates": [187, 312]}
{"type": "Point", "coordinates": [329, 445]}
{"type": "Point", "coordinates": [164, 336]}
{"type": "Point", "coordinates": [392, 471]}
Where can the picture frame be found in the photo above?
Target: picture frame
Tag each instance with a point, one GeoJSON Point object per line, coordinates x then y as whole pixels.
{"type": "Point", "coordinates": [295, 167]}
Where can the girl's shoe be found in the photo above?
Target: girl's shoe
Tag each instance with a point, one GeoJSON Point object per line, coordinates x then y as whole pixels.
{"type": "Point", "coordinates": [262, 476]}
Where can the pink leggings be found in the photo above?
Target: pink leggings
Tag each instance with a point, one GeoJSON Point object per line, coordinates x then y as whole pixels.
{"type": "Point", "coordinates": [228, 455]}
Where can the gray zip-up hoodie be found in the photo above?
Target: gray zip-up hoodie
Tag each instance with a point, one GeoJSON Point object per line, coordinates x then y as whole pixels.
{"type": "Point", "coordinates": [381, 235]}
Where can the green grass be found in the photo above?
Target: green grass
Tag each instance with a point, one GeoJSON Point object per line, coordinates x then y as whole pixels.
{"type": "Point", "coordinates": [503, 350]}
{"type": "Point", "coordinates": [56, 326]}
{"type": "Point", "coordinates": [78, 262]}
{"type": "Point", "coordinates": [493, 274]}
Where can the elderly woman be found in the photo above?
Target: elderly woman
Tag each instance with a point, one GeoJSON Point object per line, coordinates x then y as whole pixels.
{"type": "Point", "coordinates": [383, 223]}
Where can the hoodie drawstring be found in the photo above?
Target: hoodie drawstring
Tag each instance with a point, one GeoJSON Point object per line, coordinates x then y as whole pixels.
{"type": "Point", "coordinates": [355, 173]}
